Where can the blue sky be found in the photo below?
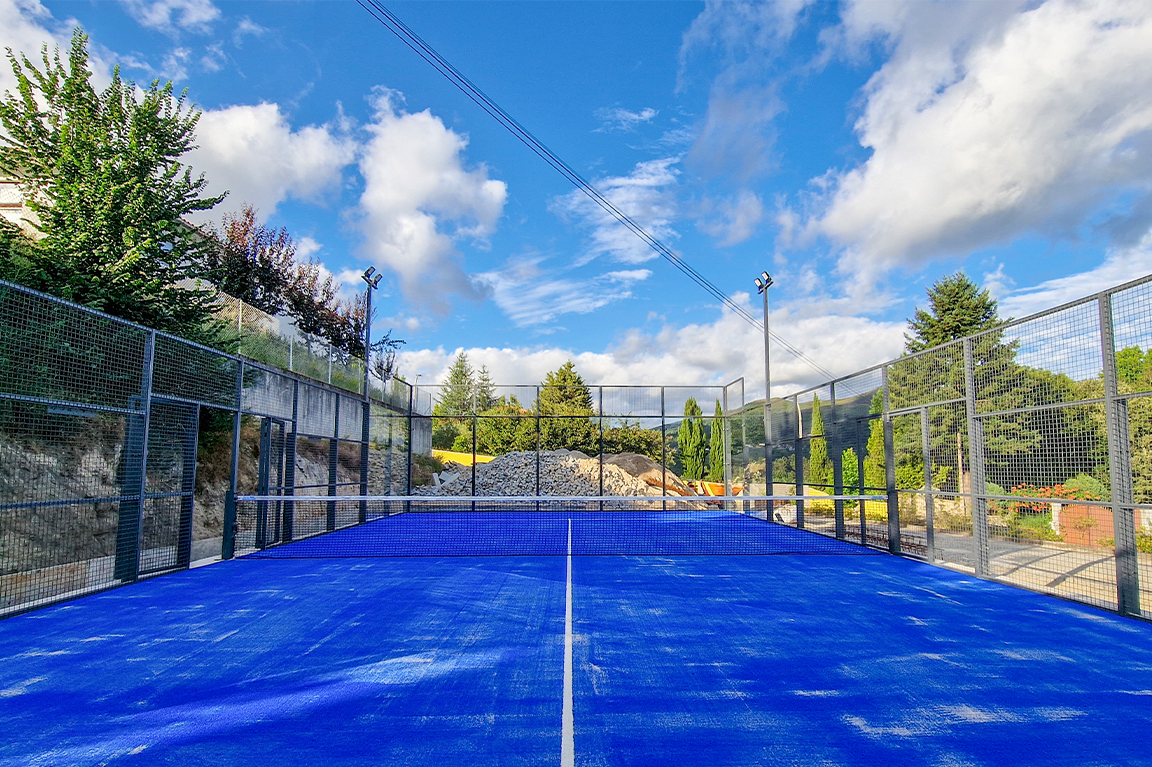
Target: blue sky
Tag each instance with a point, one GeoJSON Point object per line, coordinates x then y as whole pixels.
{"type": "Point", "coordinates": [857, 150]}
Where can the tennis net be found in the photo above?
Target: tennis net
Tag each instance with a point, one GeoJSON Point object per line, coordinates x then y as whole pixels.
{"type": "Point", "coordinates": [354, 526]}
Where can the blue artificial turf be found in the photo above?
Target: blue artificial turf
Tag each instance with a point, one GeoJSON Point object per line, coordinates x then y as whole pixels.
{"type": "Point", "coordinates": [679, 660]}
{"type": "Point", "coordinates": [400, 661]}
{"type": "Point", "coordinates": [847, 661]}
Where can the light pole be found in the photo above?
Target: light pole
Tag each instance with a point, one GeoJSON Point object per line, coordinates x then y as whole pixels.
{"type": "Point", "coordinates": [372, 283]}
{"type": "Point", "coordinates": [763, 282]}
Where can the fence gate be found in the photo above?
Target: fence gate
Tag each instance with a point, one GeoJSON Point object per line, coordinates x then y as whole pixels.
{"type": "Point", "coordinates": [270, 481]}
{"type": "Point", "coordinates": [155, 525]}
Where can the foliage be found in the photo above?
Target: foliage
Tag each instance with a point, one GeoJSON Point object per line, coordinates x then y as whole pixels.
{"type": "Point", "coordinates": [102, 173]}
{"type": "Point", "coordinates": [485, 390]}
{"type": "Point", "coordinates": [850, 471]}
{"type": "Point", "coordinates": [565, 406]}
{"type": "Point", "coordinates": [690, 441]}
{"type": "Point", "coordinates": [957, 308]}
{"type": "Point", "coordinates": [504, 428]}
{"type": "Point", "coordinates": [819, 469]}
{"type": "Point", "coordinates": [716, 446]}
{"type": "Point", "coordinates": [1087, 487]}
{"type": "Point", "coordinates": [629, 437]}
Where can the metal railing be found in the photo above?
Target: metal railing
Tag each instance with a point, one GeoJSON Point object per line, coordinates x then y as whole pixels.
{"type": "Point", "coordinates": [1022, 453]}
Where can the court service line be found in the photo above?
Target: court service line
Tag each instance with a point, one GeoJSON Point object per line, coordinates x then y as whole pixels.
{"type": "Point", "coordinates": [567, 735]}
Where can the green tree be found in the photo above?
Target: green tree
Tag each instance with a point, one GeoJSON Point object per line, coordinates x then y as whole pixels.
{"type": "Point", "coordinates": [505, 427]}
{"type": "Point", "coordinates": [629, 437]}
{"type": "Point", "coordinates": [485, 390]}
{"type": "Point", "coordinates": [690, 441]}
{"type": "Point", "coordinates": [874, 464]}
{"type": "Point", "coordinates": [716, 446]}
{"type": "Point", "coordinates": [452, 423]}
{"type": "Point", "coordinates": [819, 469]}
{"type": "Point", "coordinates": [565, 407]}
{"type": "Point", "coordinates": [102, 172]}
{"type": "Point", "coordinates": [957, 308]}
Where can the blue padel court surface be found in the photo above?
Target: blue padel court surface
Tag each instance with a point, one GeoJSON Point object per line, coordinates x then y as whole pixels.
{"type": "Point", "coordinates": [808, 652]}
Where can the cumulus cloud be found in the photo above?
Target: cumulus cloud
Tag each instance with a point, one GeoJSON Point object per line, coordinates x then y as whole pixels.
{"type": "Point", "coordinates": [645, 195]}
{"type": "Point", "coordinates": [733, 220]}
{"type": "Point", "coordinates": [1120, 266]}
{"type": "Point", "coordinates": [992, 120]}
{"type": "Point", "coordinates": [26, 26]}
{"type": "Point", "coordinates": [252, 152]}
{"type": "Point", "coordinates": [530, 296]}
{"type": "Point", "coordinates": [173, 15]}
{"type": "Point", "coordinates": [699, 354]}
{"type": "Point", "coordinates": [623, 120]}
{"type": "Point", "coordinates": [419, 199]}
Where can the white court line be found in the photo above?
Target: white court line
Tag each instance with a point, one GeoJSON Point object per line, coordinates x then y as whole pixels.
{"type": "Point", "coordinates": [567, 740]}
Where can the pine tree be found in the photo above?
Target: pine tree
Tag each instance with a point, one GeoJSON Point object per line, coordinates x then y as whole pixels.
{"type": "Point", "coordinates": [565, 406]}
{"type": "Point", "coordinates": [690, 441]}
{"type": "Point", "coordinates": [485, 390]}
{"type": "Point", "coordinates": [957, 307]}
{"type": "Point", "coordinates": [819, 469]}
{"type": "Point", "coordinates": [456, 394]}
{"type": "Point", "coordinates": [874, 467]}
{"type": "Point", "coordinates": [716, 446]}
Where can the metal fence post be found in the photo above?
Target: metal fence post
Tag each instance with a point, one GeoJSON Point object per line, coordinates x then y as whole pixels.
{"type": "Point", "coordinates": [980, 536]}
{"type": "Point", "coordinates": [333, 466]}
{"type": "Point", "coordinates": [408, 478]}
{"type": "Point", "coordinates": [861, 446]}
{"type": "Point", "coordinates": [130, 523]}
{"type": "Point", "coordinates": [289, 488]}
{"type": "Point", "coordinates": [188, 484]}
{"type": "Point", "coordinates": [228, 541]}
{"type": "Point", "coordinates": [1120, 469]}
{"type": "Point", "coordinates": [832, 439]}
{"type": "Point", "coordinates": [890, 471]}
{"type": "Point", "coordinates": [929, 500]}
{"type": "Point", "coordinates": [600, 390]}
{"type": "Point", "coordinates": [798, 453]}
{"type": "Point", "coordinates": [727, 434]}
{"type": "Point", "coordinates": [663, 454]}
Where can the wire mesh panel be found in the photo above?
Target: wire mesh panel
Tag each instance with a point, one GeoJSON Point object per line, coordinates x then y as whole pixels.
{"type": "Point", "coordinates": [387, 452]}
{"type": "Point", "coordinates": [1132, 338]}
{"type": "Point", "coordinates": [951, 483]}
{"type": "Point", "coordinates": [166, 522]}
{"type": "Point", "coordinates": [316, 411]}
{"type": "Point", "coordinates": [267, 393]}
{"type": "Point", "coordinates": [351, 418]}
{"type": "Point", "coordinates": [58, 351]}
{"type": "Point", "coordinates": [930, 377]}
{"type": "Point", "coordinates": [193, 373]}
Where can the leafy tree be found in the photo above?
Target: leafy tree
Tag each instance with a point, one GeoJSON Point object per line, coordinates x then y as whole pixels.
{"type": "Point", "coordinates": [253, 262]}
{"type": "Point", "coordinates": [957, 308]}
{"type": "Point", "coordinates": [716, 446]}
{"type": "Point", "coordinates": [505, 427]}
{"type": "Point", "coordinates": [630, 437]}
{"type": "Point", "coordinates": [850, 472]}
{"type": "Point", "coordinates": [819, 470]}
{"type": "Point", "coordinates": [565, 406]}
{"type": "Point", "coordinates": [102, 173]}
{"type": "Point", "coordinates": [874, 463]}
{"type": "Point", "coordinates": [690, 441]}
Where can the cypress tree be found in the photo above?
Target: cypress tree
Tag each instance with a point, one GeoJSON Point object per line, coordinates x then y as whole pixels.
{"type": "Point", "coordinates": [819, 471]}
{"type": "Point", "coordinates": [716, 446]}
{"type": "Point", "coordinates": [690, 441]}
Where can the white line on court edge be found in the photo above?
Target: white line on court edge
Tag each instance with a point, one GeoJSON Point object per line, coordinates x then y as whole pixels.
{"type": "Point", "coordinates": [567, 740]}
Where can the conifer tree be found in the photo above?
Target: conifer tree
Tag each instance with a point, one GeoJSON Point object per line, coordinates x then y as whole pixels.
{"type": "Point", "coordinates": [819, 471]}
{"type": "Point", "coordinates": [485, 390]}
{"type": "Point", "coordinates": [957, 307]}
{"type": "Point", "coordinates": [716, 446]}
{"type": "Point", "coordinates": [690, 441]}
{"type": "Point", "coordinates": [565, 407]}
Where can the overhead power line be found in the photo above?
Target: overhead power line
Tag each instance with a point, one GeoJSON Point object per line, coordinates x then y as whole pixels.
{"type": "Point", "coordinates": [457, 78]}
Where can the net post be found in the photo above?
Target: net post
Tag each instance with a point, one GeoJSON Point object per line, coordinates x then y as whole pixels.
{"type": "Point", "coordinates": [1120, 469]}
{"type": "Point", "coordinates": [890, 471]}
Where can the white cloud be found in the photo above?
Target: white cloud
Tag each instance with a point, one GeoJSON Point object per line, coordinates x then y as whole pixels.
{"type": "Point", "coordinates": [990, 120]}
{"type": "Point", "coordinates": [253, 152]}
{"type": "Point", "coordinates": [736, 137]}
{"type": "Point", "coordinates": [998, 283]}
{"type": "Point", "coordinates": [246, 28]}
{"type": "Point", "coordinates": [620, 119]}
{"type": "Point", "coordinates": [733, 220]}
{"type": "Point", "coordinates": [644, 195]}
{"type": "Point", "coordinates": [1121, 265]}
{"type": "Point", "coordinates": [419, 199]}
{"type": "Point", "coordinates": [699, 354]}
{"type": "Point", "coordinates": [529, 296]}
{"type": "Point", "coordinates": [25, 26]}
{"type": "Point", "coordinates": [306, 247]}
{"type": "Point", "coordinates": [170, 15]}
